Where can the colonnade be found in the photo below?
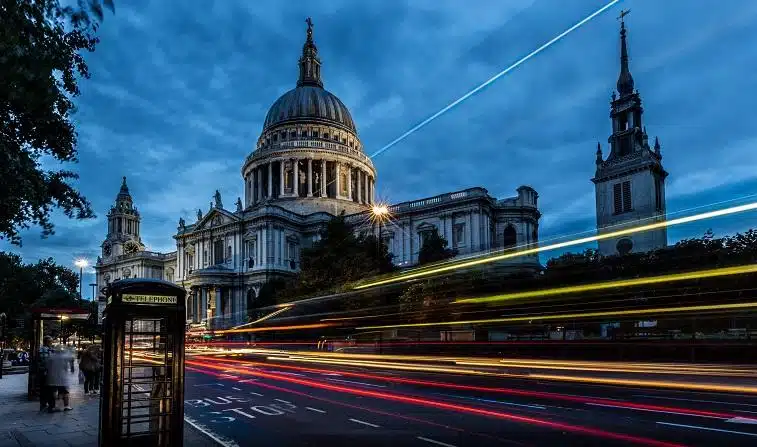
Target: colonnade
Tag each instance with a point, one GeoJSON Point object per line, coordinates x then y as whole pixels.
{"type": "Point", "coordinates": [311, 178]}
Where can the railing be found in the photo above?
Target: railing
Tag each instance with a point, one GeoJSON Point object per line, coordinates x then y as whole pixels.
{"type": "Point", "coordinates": [147, 254]}
{"type": "Point", "coordinates": [436, 200]}
{"type": "Point", "coordinates": [308, 144]}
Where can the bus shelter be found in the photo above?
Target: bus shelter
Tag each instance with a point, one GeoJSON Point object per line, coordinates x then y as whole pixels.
{"type": "Point", "coordinates": [39, 316]}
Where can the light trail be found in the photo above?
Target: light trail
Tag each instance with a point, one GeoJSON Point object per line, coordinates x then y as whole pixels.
{"type": "Point", "coordinates": [441, 405]}
{"type": "Point", "coordinates": [530, 251]}
{"type": "Point", "coordinates": [274, 328]}
{"type": "Point", "coordinates": [700, 274]}
{"type": "Point", "coordinates": [663, 310]}
{"type": "Point", "coordinates": [495, 77]}
{"type": "Point", "coordinates": [507, 391]}
{"type": "Point", "coordinates": [263, 318]}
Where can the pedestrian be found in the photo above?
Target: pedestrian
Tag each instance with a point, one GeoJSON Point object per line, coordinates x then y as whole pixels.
{"type": "Point", "coordinates": [88, 367]}
{"type": "Point", "coordinates": [59, 366]}
{"type": "Point", "coordinates": [46, 393]}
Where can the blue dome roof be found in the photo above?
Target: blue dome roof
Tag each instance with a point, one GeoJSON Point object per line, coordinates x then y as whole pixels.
{"type": "Point", "coordinates": [309, 103]}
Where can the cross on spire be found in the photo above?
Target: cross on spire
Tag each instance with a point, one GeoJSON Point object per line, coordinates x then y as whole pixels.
{"type": "Point", "coordinates": [310, 65]}
{"type": "Point", "coordinates": [622, 15]}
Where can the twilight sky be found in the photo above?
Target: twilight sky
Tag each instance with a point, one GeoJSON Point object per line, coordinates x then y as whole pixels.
{"type": "Point", "coordinates": [179, 92]}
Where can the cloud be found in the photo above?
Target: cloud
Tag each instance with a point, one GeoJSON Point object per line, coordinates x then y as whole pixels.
{"type": "Point", "coordinates": [179, 93]}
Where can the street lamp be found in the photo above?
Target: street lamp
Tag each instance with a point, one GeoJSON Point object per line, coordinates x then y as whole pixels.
{"type": "Point", "coordinates": [379, 213]}
{"type": "Point", "coordinates": [81, 263]}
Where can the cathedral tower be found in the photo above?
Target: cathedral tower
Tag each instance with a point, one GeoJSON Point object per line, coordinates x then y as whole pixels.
{"type": "Point", "coordinates": [630, 183]}
{"type": "Point", "coordinates": [123, 227]}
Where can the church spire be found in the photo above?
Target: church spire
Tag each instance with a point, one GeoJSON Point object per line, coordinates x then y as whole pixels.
{"type": "Point", "coordinates": [310, 65]}
{"type": "Point", "coordinates": [123, 193]}
{"type": "Point", "coordinates": [625, 80]}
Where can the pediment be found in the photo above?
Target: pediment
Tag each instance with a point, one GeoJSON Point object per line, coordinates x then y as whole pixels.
{"type": "Point", "coordinates": [215, 218]}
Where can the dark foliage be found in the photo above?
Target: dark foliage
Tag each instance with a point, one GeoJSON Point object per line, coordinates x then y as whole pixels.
{"type": "Point", "coordinates": [338, 258]}
{"type": "Point", "coordinates": [41, 60]}
{"type": "Point", "coordinates": [434, 249]}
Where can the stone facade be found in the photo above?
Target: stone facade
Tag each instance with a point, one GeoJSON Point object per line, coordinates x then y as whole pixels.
{"type": "Point", "coordinates": [630, 183]}
{"type": "Point", "coordinates": [308, 165]}
{"type": "Point", "coordinates": [123, 253]}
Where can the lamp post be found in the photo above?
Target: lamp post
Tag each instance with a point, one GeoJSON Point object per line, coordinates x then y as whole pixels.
{"type": "Point", "coordinates": [81, 263]}
{"type": "Point", "coordinates": [379, 213]}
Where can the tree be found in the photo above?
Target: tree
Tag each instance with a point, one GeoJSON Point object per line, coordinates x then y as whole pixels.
{"type": "Point", "coordinates": [26, 286]}
{"type": "Point", "coordinates": [338, 258]}
{"type": "Point", "coordinates": [41, 46]}
{"type": "Point", "coordinates": [434, 249]}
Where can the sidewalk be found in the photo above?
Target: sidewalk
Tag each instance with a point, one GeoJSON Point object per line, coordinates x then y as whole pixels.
{"type": "Point", "coordinates": [22, 424]}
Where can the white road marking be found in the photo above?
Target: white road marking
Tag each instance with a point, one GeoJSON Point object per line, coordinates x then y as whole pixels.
{"type": "Point", "coordinates": [256, 394]}
{"type": "Point", "coordinates": [289, 373]}
{"type": "Point", "coordinates": [365, 423]}
{"type": "Point", "coordinates": [357, 383]}
{"type": "Point", "coordinates": [207, 384]}
{"type": "Point", "coordinates": [696, 427]}
{"type": "Point", "coordinates": [284, 401]}
{"type": "Point", "coordinates": [247, 380]}
{"type": "Point", "coordinates": [331, 374]}
{"type": "Point", "coordinates": [220, 384]}
{"type": "Point", "coordinates": [695, 400]}
{"type": "Point", "coordinates": [655, 411]}
{"type": "Point", "coordinates": [235, 388]}
{"type": "Point", "coordinates": [538, 407]}
{"type": "Point", "coordinates": [314, 409]}
{"type": "Point", "coordinates": [434, 441]}
{"type": "Point", "coordinates": [740, 420]}
{"type": "Point", "coordinates": [207, 432]}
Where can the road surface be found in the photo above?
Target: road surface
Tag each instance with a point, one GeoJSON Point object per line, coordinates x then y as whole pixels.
{"type": "Point", "coordinates": [270, 404]}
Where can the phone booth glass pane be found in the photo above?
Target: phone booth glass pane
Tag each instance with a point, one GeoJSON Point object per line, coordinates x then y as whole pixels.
{"type": "Point", "coordinates": [147, 373]}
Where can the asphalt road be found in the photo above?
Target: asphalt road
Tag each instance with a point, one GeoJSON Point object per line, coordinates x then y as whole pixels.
{"type": "Point", "coordinates": [274, 405]}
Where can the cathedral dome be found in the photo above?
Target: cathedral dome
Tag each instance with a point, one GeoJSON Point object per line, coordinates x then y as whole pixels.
{"type": "Point", "coordinates": [311, 103]}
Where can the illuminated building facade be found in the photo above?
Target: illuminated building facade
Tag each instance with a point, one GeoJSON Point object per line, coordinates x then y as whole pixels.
{"type": "Point", "coordinates": [308, 165]}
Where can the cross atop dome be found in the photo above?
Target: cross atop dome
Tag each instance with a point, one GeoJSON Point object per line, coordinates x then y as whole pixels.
{"type": "Point", "coordinates": [310, 65]}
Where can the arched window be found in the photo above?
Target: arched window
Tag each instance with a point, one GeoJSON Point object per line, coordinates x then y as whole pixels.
{"type": "Point", "coordinates": [510, 237]}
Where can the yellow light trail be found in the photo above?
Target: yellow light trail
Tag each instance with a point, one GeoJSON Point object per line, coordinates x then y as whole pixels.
{"type": "Point", "coordinates": [275, 328]}
{"type": "Point", "coordinates": [715, 387]}
{"type": "Point", "coordinates": [663, 310]}
{"type": "Point", "coordinates": [263, 318]}
{"type": "Point", "coordinates": [700, 274]}
{"type": "Point", "coordinates": [530, 251]}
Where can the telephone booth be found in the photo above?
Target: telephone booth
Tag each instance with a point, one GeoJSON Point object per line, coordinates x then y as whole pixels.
{"type": "Point", "coordinates": [143, 364]}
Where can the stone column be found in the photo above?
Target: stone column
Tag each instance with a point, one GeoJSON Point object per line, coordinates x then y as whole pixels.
{"type": "Point", "coordinates": [349, 182]}
{"type": "Point", "coordinates": [338, 179]}
{"type": "Point", "coordinates": [259, 194]}
{"type": "Point", "coordinates": [323, 178]}
{"type": "Point", "coordinates": [270, 179]}
{"type": "Point", "coordinates": [281, 178]}
{"type": "Point", "coordinates": [310, 177]}
{"type": "Point", "coordinates": [359, 187]}
{"type": "Point", "coordinates": [296, 182]}
{"type": "Point", "coordinates": [219, 301]}
{"type": "Point", "coordinates": [367, 191]}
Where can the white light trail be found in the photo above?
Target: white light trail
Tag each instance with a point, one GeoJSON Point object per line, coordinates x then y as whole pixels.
{"type": "Point", "coordinates": [495, 77]}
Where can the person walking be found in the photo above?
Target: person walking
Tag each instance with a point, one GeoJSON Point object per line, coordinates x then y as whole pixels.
{"type": "Point", "coordinates": [88, 367]}
{"type": "Point", "coordinates": [60, 364]}
{"type": "Point", "coordinates": [46, 393]}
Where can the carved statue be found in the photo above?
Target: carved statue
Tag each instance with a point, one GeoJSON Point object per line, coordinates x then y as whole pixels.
{"type": "Point", "coordinates": [182, 224]}
{"type": "Point", "coordinates": [219, 204]}
{"type": "Point", "coordinates": [239, 204]}
{"type": "Point", "coordinates": [199, 215]}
